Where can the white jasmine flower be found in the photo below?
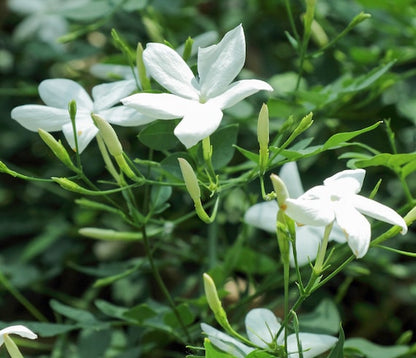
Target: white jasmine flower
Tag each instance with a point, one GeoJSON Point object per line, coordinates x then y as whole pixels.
{"type": "Point", "coordinates": [44, 19]}
{"type": "Point", "coordinates": [262, 327]}
{"type": "Point", "coordinates": [20, 330]}
{"type": "Point", "coordinates": [199, 101]}
{"type": "Point", "coordinates": [337, 200]}
{"type": "Point", "coordinates": [308, 238]}
{"type": "Point", "coordinates": [54, 116]}
{"type": "Point", "coordinates": [109, 71]}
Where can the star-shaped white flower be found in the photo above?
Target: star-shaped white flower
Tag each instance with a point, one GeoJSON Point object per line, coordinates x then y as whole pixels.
{"type": "Point", "coordinates": [308, 238]}
{"type": "Point", "coordinates": [337, 200]}
{"type": "Point", "coordinates": [199, 101]}
{"type": "Point", "coordinates": [262, 327]}
{"type": "Point", "coordinates": [44, 19]}
{"type": "Point", "coordinates": [54, 116]}
{"type": "Point", "coordinates": [20, 330]}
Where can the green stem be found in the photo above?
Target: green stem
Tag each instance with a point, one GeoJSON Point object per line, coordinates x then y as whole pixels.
{"type": "Point", "coordinates": [162, 286]}
{"type": "Point", "coordinates": [22, 299]}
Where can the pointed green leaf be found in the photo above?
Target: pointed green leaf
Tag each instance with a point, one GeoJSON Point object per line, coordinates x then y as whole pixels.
{"type": "Point", "coordinates": [159, 135]}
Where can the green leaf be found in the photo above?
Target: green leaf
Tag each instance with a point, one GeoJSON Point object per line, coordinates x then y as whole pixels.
{"type": "Point", "coordinates": [159, 195]}
{"type": "Point", "coordinates": [212, 352]}
{"type": "Point", "coordinates": [93, 343]}
{"type": "Point", "coordinates": [364, 81]}
{"type": "Point", "coordinates": [249, 155]}
{"type": "Point", "coordinates": [324, 319]}
{"type": "Point", "coordinates": [335, 141]}
{"type": "Point", "coordinates": [140, 313]}
{"type": "Point", "coordinates": [372, 350]}
{"type": "Point", "coordinates": [339, 138]}
{"type": "Point", "coordinates": [185, 313]}
{"type": "Point", "coordinates": [75, 314]}
{"type": "Point", "coordinates": [252, 262]}
{"type": "Point", "coordinates": [222, 142]}
{"type": "Point", "coordinates": [159, 135]}
{"type": "Point", "coordinates": [111, 310]}
{"type": "Point", "coordinates": [338, 350]}
{"type": "Point", "coordinates": [392, 161]}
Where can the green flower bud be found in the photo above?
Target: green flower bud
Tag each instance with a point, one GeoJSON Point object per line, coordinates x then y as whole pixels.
{"type": "Point", "coordinates": [72, 109]}
{"type": "Point", "coordinates": [188, 49]}
{"type": "Point", "coordinates": [141, 69]}
{"type": "Point", "coordinates": [69, 185]}
{"type": "Point", "coordinates": [263, 137]}
{"type": "Point", "coordinates": [57, 148]}
{"type": "Point", "coordinates": [280, 189]}
{"type": "Point", "coordinates": [191, 181]}
{"type": "Point", "coordinates": [212, 294]}
{"type": "Point", "coordinates": [109, 235]}
{"type": "Point", "coordinates": [109, 135]}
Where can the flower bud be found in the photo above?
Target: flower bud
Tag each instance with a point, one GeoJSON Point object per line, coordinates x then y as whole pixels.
{"type": "Point", "coordinates": [72, 109]}
{"type": "Point", "coordinates": [57, 148]}
{"type": "Point", "coordinates": [109, 235]}
{"type": "Point", "coordinates": [214, 302]}
{"type": "Point", "coordinates": [263, 137]}
{"type": "Point", "coordinates": [304, 124]}
{"type": "Point", "coordinates": [362, 16]}
{"type": "Point", "coordinates": [280, 189]}
{"type": "Point", "coordinates": [212, 294]}
{"type": "Point", "coordinates": [191, 181]}
{"type": "Point", "coordinates": [141, 69]}
{"type": "Point", "coordinates": [69, 185]}
{"type": "Point", "coordinates": [113, 144]}
{"type": "Point", "coordinates": [187, 51]}
{"type": "Point", "coordinates": [5, 169]}
{"type": "Point", "coordinates": [109, 135]}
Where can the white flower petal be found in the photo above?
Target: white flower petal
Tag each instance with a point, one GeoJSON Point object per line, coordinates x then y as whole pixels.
{"type": "Point", "coordinates": [52, 27]}
{"type": "Point", "coordinates": [347, 181]}
{"type": "Point", "coordinates": [158, 105]}
{"type": "Point", "coordinates": [263, 215]}
{"type": "Point", "coordinates": [107, 95]}
{"type": "Point", "coordinates": [170, 70]}
{"type": "Point", "coordinates": [317, 212]}
{"type": "Point", "coordinates": [27, 28]}
{"type": "Point", "coordinates": [125, 116]}
{"type": "Point", "coordinates": [200, 121]}
{"type": "Point", "coordinates": [226, 343]}
{"type": "Point", "coordinates": [337, 234]}
{"type": "Point", "coordinates": [219, 64]}
{"type": "Point", "coordinates": [59, 92]}
{"type": "Point", "coordinates": [378, 211]}
{"type": "Point", "coordinates": [308, 239]}
{"type": "Point", "coordinates": [20, 330]}
{"type": "Point", "coordinates": [33, 117]}
{"type": "Point", "coordinates": [289, 173]}
{"type": "Point", "coordinates": [86, 131]}
{"type": "Point", "coordinates": [27, 7]}
{"type": "Point", "coordinates": [262, 326]}
{"type": "Point", "coordinates": [237, 91]}
{"type": "Point", "coordinates": [356, 227]}
{"type": "Point", "coordinates": [109, 71]}
{"type": "Point", "coordinates": [312, 344]}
